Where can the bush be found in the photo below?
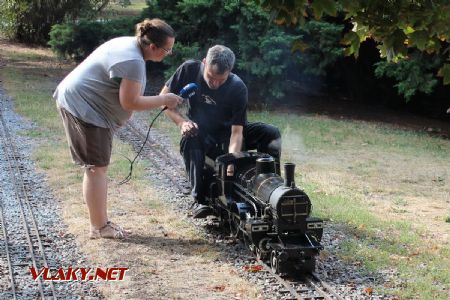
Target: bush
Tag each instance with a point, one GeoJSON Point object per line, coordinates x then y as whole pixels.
{"type": "Point", "coordinates": [30, 21]}
{"type": "Point", "coordinates": [413, 75]}
{"type": "Point", "coordinates": [180, 54]}
{"type": "Point", "coordinates": [322, 47]}
{"type": "Point", "coordinates": [78, 40]}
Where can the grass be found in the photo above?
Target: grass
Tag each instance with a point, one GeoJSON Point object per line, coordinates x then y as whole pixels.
{"type": "Point", "coordinates": [319, 133]}
{"type": "Point", "coordinates": [359, 150]}
{"type": "Point", "coordinates": [388, 187]}
{"type": "Point", "coordinates": [115, 10]}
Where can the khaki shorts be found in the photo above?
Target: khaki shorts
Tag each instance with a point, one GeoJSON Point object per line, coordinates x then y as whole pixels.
{"type": "Point", "coordinates": [89, 145]}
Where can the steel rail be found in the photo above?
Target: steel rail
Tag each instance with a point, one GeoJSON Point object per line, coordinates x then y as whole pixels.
{"type": "Point", "coordinates": [139, 135]}
{"type": "Point", "coordinates": [281, 280]}
{"type": "Point", "coordinates": [8, 256]}
{"type": "Point", "coordinates": [20, 189]}
{"type": "Point", "coordinates": [318, 289]}
{"type": "Point", "coordinates": [285, 283]}
{"type": "Point", "coordinates": [138, 132]}
{"type": "Point", "coordinates": [327, 286]}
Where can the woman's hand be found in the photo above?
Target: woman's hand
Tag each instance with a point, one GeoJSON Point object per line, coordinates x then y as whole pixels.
{"type": "Point", "coordinates": [171, 100]}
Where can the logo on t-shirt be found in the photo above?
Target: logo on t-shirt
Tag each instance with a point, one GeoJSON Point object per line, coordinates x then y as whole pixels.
{"type": "Point", "coordinates": [208, 100]}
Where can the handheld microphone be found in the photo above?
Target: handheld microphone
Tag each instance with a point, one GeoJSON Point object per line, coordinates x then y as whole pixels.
{"type": "Point", "coordinates": [187, 91]}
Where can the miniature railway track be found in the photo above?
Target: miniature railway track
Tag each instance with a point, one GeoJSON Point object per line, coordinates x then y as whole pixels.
{"type": "Point", "coordinates": [157, 156]}
{"type": "Point", "coordinates": [309, 287]}
{"type": "Point", "coordinates": [315, 278]}
{"type": "Point", "coordinates": [5, 250]}
{"type": "Point", "coordinates": [20, 236]}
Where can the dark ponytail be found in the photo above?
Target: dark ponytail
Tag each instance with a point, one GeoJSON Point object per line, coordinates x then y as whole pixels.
{"type": "Point", "coordinates": [154, 31]}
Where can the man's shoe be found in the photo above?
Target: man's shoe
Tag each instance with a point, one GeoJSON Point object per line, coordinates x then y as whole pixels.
{"type": "Point", "coordinates": [202, 211]}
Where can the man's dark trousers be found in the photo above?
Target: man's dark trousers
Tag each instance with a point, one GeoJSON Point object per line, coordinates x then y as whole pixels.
{"type": "Point", "coordinates": [262, 137]}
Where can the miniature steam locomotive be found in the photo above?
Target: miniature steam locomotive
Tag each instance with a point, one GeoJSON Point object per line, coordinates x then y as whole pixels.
{"type": "Point", "coordinates": [269, 213]}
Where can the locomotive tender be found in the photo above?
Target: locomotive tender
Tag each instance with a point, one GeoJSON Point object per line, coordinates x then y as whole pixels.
{"type": "Point", "coordinates": [268, 212]}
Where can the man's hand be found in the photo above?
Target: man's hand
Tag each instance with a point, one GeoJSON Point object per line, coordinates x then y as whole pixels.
{"type": "Point", "coordinates": [188, 128]}
{"type": "Point", "coordinates": [230, 170]}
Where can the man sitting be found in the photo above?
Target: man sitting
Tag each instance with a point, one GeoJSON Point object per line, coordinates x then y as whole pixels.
{"type": "Point", "coordinates": [217, 114]}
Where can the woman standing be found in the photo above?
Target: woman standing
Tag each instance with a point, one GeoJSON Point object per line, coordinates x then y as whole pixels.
{"type": "Point", "coordinates": [98, 97]}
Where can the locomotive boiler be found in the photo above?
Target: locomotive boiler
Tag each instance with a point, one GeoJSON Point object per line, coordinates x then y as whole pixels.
{"type": "Point", "coordinates": [270, 214]}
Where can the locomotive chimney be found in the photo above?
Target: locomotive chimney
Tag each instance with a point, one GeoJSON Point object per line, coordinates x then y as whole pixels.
{"type": "Point", "coordinates": [265, 165]}
{"type": "Point", "coordinates": [289, 174]}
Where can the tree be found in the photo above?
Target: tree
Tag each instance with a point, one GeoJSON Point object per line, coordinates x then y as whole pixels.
{"type": "Point", "coordinates": [396, 25]}
{"type": "Point", "coordinates": [262, 52]}
{"type": "Point", "coordinates": [30, 21]}
{"type": "Point", "coordinates": [264, 59]}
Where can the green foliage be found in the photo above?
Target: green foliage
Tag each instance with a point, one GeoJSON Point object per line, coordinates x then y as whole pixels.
{"type": "Point", "coordinates": [263, 51]}
{"type": "Point", "coordinates": [200, 21]}
{"type": "Point", "coordinates": [10, 10]}
{"type": "Point", "coordinates": [78, 40]}
{"type": "Point", "coordinates": [31, 20]}
{"type": "Point", "coordinates": [395, 25]}
{"type": "Point", "coordinates": [413, 75]}
{"type": "Point", "coordinates": [322, 47]}
{"type": "Point", "coordinates": [266, 59]}
{"type": "Point", "coordinates": [352, 41]}
{"type": "Point", "coordinates": [445, 72]}
{"type": "Point", "coordinates": [181, 53]}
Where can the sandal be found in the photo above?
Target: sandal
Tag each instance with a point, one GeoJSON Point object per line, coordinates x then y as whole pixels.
{"type": "Point", "coordinates": [109, 231]}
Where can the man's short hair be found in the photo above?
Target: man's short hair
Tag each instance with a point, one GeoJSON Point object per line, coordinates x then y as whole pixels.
{"type": "Point", "coordinates": [220, 57]}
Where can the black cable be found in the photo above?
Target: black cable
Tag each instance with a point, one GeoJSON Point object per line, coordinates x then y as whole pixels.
{"type": "Point", "coordinates": [126, 179]}
{"type": "Point", "coordinates": [186, 92]}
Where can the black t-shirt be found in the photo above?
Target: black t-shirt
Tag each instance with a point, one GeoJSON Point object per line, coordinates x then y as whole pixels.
{"type": "Point", "coordinates": [215, 111]}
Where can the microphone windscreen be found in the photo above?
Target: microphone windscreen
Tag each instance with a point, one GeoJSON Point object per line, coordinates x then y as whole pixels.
{"type": "Point", "coordinates": [188, 90]}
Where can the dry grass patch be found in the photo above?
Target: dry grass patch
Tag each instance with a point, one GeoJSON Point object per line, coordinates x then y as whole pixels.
{"type": "Point", "coordinates": [166, 255]}
{"type": "Point", "coordinates": [395, 186]}
{"type": "Point", "coordinates": [26, 57]}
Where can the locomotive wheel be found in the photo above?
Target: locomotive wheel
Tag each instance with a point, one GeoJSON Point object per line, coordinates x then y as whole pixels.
{"type": "Point", "coordinates": [234, 227]}
{"type": "Point", "coordinates": [261, 255]}
{"type": "Point", "coordinates": [249, 244]}
{"type": "Point", "coordinates": [258, 253]}
{"type": "Point", "coordinates": [274, 262]}
{"type": "Point", "coordinates": [262, 251]}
